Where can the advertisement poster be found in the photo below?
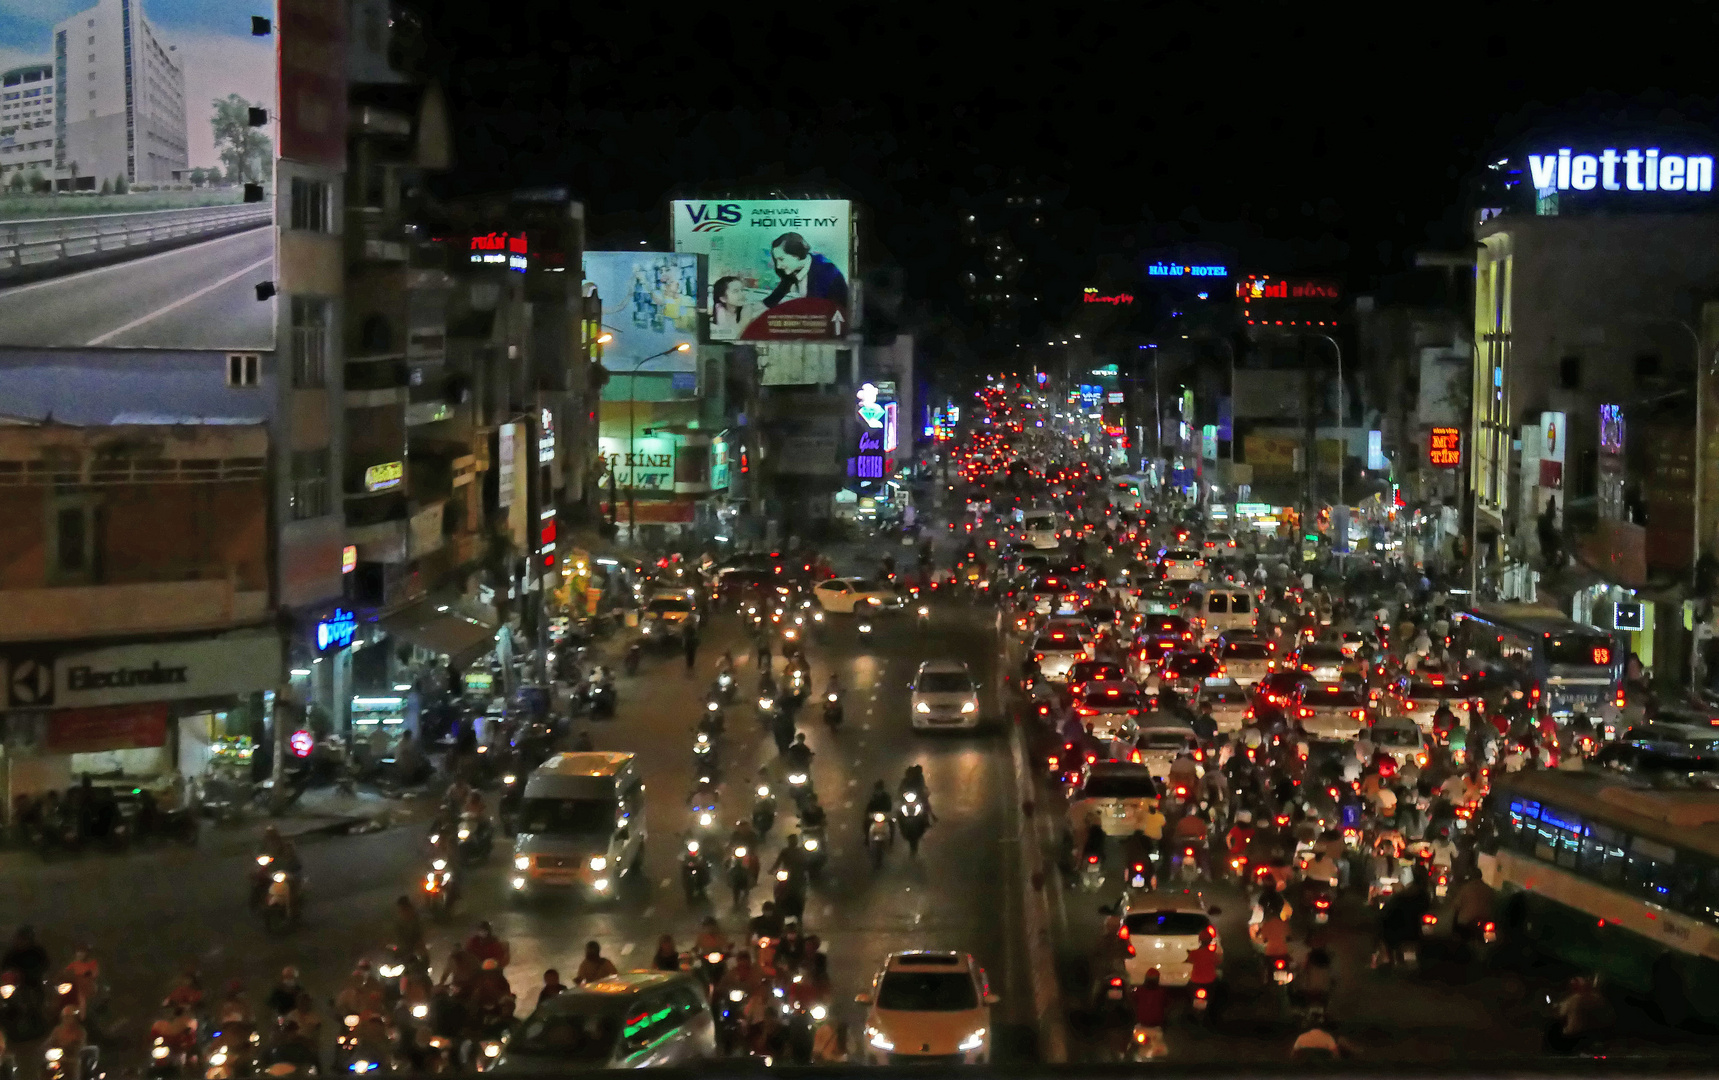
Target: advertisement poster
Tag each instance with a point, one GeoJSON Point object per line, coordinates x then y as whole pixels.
{"type": "Point", "coordinates": [650, 305]}
{"type": "Point", "coordinates": [126, 146]}
{"type": "Point", "coordinates": [778, 269]}
{"type": "Point", "coordinates": [643, 463]}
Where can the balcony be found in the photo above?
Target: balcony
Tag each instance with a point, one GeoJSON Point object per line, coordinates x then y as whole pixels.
{"type": "Point", "coordinates": [153, 607]}
{"type": "Point", "coordinates": [370, 237]}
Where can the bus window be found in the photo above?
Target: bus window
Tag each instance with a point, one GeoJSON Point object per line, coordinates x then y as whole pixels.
{"type": "Point", "coordinates": [1603, 855]}
{"type": "Point", "coordinates": [1560, 838]}
{"type": "Point", "coordinates": [1650, 869]}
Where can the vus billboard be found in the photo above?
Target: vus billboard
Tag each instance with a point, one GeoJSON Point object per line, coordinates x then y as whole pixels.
{"type": "Point", "coordinates": [779, 269]}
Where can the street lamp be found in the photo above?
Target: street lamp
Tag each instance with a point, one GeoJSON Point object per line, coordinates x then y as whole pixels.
{"type": "Point", "coordinates": [632, 426]}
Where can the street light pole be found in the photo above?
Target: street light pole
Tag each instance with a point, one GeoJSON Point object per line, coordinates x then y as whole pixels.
{"type": "Point", "coordinates": [632, 427]}
{"type": "Point", "coordinates": [1342, 439]}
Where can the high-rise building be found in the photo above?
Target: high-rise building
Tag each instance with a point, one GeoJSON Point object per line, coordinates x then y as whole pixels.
{"type": "Point", "coordinates": [119, 99]}
{"type": "Point", "coordinates": [27, 120]}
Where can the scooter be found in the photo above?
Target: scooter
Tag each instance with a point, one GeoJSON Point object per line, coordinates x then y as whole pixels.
{"type": "Point", "coordinates": [694, 871]}
{"type": "Point", "coordinates": [725, 687]}
{"type": "Point", "coordinates": [833, 710]}
{"type": "Point", "coordinates": [440, 888]}
{"type": "Point", "coordinates": [924, 616]}
{"type": "Point", "coordinates": [742, 873]}
{"type": "Point", "coordinates": [877, 837]}
{"type": "Point", "coordinates": [763, 809]}
{"type": "Point", "coordinates": [813, 843]}
{"type": "Point", "coordinates": [911, 819]}
{"type": "Point", "coordinates": [280, 909]}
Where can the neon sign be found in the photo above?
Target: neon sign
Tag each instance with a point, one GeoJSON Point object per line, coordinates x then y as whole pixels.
{"type": "Point", "coordinates": [1181, 270]}
{"type": "Point", "coordinates": [1090, 295]}
{"type": "Point", "coordinates": [1444, 447]}
{"type": "Point", "coordinates": [336, 631]}
{"type": "Point", "coordinates": [1265, 288]}
{"type": "Point", "coordinates": [869, 410]}
{"type": "Point", "coordinates": [500, 249]}
{"type": "Point", "coordinates": [1611, 429]}
{"type": "Point", "coordinates": [1643, 170]}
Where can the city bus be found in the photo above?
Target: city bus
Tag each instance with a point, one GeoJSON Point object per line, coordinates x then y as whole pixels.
{"type": "Point", "coordinates": [1561, 663]}
{"type": "Point", "coordinates": [1611, 875]}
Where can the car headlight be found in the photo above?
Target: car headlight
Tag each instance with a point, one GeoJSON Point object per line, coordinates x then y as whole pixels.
{"type": "Point", "coordinates": [880, 1040]}
{"type": "Point", "coordinates": [973, 1041]}
{"type": "Point", "coordinates": [969, 706]}
{"type": "Point", "coordinates": [922, 707]}
{"type": "Point", "coordinates": [598, 862]}
{"type": "Point", "coordinates": [518, 883]}
{"type": "Point", "coordinates": [520, 862]}
{"type": "Point", "coordinates": [601, 884]}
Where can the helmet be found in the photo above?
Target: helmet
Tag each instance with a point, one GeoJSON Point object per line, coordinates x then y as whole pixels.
{"type": "Point", "coordinates": [1244, 816]}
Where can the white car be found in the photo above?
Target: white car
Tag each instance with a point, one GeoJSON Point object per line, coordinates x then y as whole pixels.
{"type": "Point", "coordinates": [1331, 711]}
{"type": "Point", "coordinates": [1110, 709]}
{"type": "Point", "coordinates": [1230, 702]}
{"type": "Point", "coordinates": [928, 1008]}
{"type": "Point", "coordinates": [849, 595]}
{"type": "Point", "coordinates": [943, 695]}
{"type": "Point", "coordinates": [1055, 651]}
{"type": "Point", "coordinates": [1164, 928]}
{"type": "Point", "coordinates": [1163, 737]}
{"type": "Point", "coordinates": [1247, 662]}
{"type": "Point", "coordinates": [1120, 794]}
{"type": "Point", "coordinates": [669, 615]}
{"type": "Point", "coordinates": [1418, 698]}
{"type": "Point", "coordinates": [1039, 528]}
{"type": "Point", "coordinates": [1183, 564]}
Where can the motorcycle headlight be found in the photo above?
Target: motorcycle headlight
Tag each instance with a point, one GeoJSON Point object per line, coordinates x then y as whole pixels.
{"type": "Point", "coordinates": [812, 844]}
{"type": "Point", "coordinates": [7, 990]}
{"type": "Point", "coordinates": [705, 820]}
{"type": "Point", "coordinates": [713, 958]}
{"type": "Point", "coordinates": [781, 875]}
{"type": "Point", "coordinates": [392, 971]}
{"type": "Point", "coordinates": [64, 988]}
{"type": "Point", "coordinates": [359, 1066]}
{"type": "Point", "coordinates": [766, 703]}
{"type": "Point", "coordinates": [737, 995]}
{"type": "Point", "coordinates": [797, 778]}
{"type": "Point", "coordinates": [279, 877]}
{"type": "Point", "coordinates": [420, 1011]}
{"type": "Point", "coordinates": [158, 1052]}
{"type": "Point", "coordinates": [763, 791]}
{"type": "Point", "coordinates": [740, 853]}
{"type": "Point", "coordinates": [442, 864]}
{"type": "Point", "coordinates": [598, 862]}
{"type": "Point", "coordinates": [819, 1012]}
{"type": "Point", "coordinates": [491, 1049]}
{"type": "Point", "coordinates": [465, 834]}
{"type": "Point", "coordinates": [692, 847]}
{"type": "Point", "coordinates": [713, 706]}
{"type": "Point", "coordinates": [509, 780]}
{"type": "Point", "coordinates": [219, 1057]}
{"type": "Point", "coordinates": [910, 797]}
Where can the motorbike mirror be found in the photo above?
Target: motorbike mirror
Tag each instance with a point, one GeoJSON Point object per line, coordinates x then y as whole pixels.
{"type": "Point", "coordinates": [992, 999]}
{"type": "Point", "coordinates": [863, 999]}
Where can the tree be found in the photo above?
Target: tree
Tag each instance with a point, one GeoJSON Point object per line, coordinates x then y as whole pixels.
{"type": "Point", "coordinates": [37, 181]}
{"type": "Point", "coordinates": [120, 187]}
{"type": "Point", "coordinates": [199, 177]}
{"type": "Point", "coordinates": [213, 176]}
{"type": "Point", "coordinates": [16, 184]}
{"type": "Point", "coordinates": [107, 187]}
{"type": "Point", "coordinates": [244, 150]}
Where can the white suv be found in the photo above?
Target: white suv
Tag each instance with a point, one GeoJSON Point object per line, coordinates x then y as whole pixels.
{"type": "Point", "coordinates": [944, 696]}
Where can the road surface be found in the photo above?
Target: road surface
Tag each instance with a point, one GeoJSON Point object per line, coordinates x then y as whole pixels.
{"type": "Point", "coordinates": [197, 297]}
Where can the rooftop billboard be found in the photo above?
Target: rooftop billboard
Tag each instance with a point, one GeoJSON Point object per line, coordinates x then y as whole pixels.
{"type": "Point", "coordinates": [650, 305]}
{"type": "Point", "coordinates": [137, 153]}
{"type": "Point", "coordinates": [779, 269]}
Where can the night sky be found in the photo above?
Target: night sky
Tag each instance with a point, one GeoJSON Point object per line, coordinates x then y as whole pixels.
{"type": "Point", "coordinates": [1341, 138]}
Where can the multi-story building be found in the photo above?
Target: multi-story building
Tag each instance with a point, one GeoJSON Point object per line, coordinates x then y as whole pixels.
{"type": "Point", "coordinates": [136, 581]}
{"type": "Point", "coordinates": [27, 124]}
{"type": "Point", "coordinates": [119, 99]}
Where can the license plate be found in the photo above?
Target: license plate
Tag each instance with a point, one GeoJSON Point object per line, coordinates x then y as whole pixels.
{"type": "Point", "coordinates": [558, 877]}
{"type": "Point", "coordinates": [1282, 977]}
{"type": "Point", "coordinates": [1408, 954]}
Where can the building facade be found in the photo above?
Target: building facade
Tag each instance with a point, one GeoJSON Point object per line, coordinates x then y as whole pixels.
{"type": "Point", "coordinates": [119, 99]}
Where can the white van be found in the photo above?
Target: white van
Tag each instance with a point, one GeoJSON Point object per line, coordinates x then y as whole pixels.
{"type": "Point", "coordinates": [1222, 609]}
{"type": "Point", "coordinates": [1125, 493]}
{"type": "Point", "coordinates": [581, 825]}
{"type": "Point", "coordinates": [1039, 528]}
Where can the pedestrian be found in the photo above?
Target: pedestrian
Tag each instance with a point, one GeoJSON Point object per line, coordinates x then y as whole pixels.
{"type": "Point", "coordinates": [689, 641]}
{"type": "Point", "coordinates": [763, 652]}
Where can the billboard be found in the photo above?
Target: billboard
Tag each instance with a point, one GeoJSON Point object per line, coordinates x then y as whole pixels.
{"type": "Point", "coordinates": [779, 269]}
{"type": "Point", "coordinates": [137, 160]}
{"type": "Point", "coordinates": [650, 305]}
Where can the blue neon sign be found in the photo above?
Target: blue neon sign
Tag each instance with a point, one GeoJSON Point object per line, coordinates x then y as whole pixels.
{"type": "Point", "coordinates": [336, 631]}
{"type": "Point", "coordinates": [1185, 270]}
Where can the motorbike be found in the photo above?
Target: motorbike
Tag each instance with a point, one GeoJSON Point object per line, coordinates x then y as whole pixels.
{"type": "Point", "coordinates": [790, 894]}
{"type": "Point", "coordinates": [797, 683]}
{"type": "Point", "coordinates": [704, 821]}
{"type": "Point", "coordinates": [232, 1050]}
{"type": "Point", "coordinates": [703, 750]}
{"type": "Point", "coordinates": [833, 709]}
{"type": "Point", "coordinates": [280, 904]}
{"type": "Point", "coordinates": [812, 842]}
{"type": "Point", "coordinates": [730, 1020]}
{"type": "Point", "coordinates": [1139, 875]}
{"type": "Point", "coordinates": [799, 787]}
{"type": "Point", "coordinates": [694, 871]}
{"type": "Point", "coordinates": [170, 1060]}
{"type": "Point", "coordinates": [1321, 905]}
{"type": "Point", "coordinates": [712, 719]}
{"type": "Point", "coordinates": [22, 1012]}
{"type": "Point", "coordinates": [82, 1064]}
{"type": "Point", "coordinates": [711, 967]}
{"type": "Point", "coordinates": [600, 697]}
{"type": "Point", "coordinates": [877, 837]}
{"type": "Point", "coordinates": [440, 888]}
{"type": "Point", "coordinates": [865, 626]}
{"type": "Point", "coordinates": [1091, 873]}
{"type": "Point", "coordinates": [742, 873]}
{"type": "Point", "coordinates": [763, 809]}
{"type": "Point", "coordinates": [924, 615]}
{"type": "Point", "coordinates": [725, 687]}
{"type": "Point", "coordinates": [1188, 863]}
{"type": "Point", "coordinates": [476, 838]}
{"type": "Point", "coordinates": [768, 710]}
{"type": "Point", "coordinates": [911, 819]}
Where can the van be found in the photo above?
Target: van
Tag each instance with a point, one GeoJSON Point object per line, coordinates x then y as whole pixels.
{"type": "Point", "coordinates": [627, 1021]}
{"type": "Point", "coordinates": [581, 825]}
{"type": "Point", "coordinates": [1039, 528]}
{"type": "Point", "coordinates": [1223, 609]}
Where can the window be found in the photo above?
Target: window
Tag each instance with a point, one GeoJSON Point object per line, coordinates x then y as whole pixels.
{"type": "Point", "coordinates": [309, 210]}
{"type": "Point", "coordinates": [1602, 857]}
{"type": "Point", "coordinates": [1570, 373]}
{"type": "Point", "coordinates": [242, 369]}
{"type": "Point", "coordinates": [71, 541]}
{"type": "Point", "coordinates": [310, 489]}
{"type": "Point", "coordinates": [309, 342]}
{"type": "Point", "coordinates": [654, 1018]}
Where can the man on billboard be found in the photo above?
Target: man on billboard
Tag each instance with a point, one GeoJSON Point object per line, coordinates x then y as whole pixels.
{"type": "Point", "coordinates": [804, 273]}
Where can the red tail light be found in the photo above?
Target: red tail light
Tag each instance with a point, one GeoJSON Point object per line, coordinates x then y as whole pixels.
{"type": "Point", "coordinates": [1429, 919]}
{"type": "Point", "coordinates": [1199, 993]}
{"type": "Point", "coordinates": [1091, 859]}
{"type": "Point", "coordinates": [1282, 820]}
{"type": "Point", "coordinates": [1619, 699]}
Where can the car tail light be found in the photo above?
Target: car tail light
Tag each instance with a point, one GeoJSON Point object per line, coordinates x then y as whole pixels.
{"type": "Point", "coordinates": [1359, 714]}
{"type": "Point", "coordinates": [1619, 699]}
{"type": "Point", "coordinates": [1134, 757]}
{"type": "Point", "coordinates": [1086, 710]}
{"type": "Point", "coordinates": [1091, 859]}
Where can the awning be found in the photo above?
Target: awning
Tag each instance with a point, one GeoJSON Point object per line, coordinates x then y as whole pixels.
{"type": "Point", "coordinates": [437, 626]}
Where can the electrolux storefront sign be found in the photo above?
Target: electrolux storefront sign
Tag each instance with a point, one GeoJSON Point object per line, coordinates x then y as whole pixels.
{"type": "Point", "coordinates": [1611, 169]}
{"type": "Point", "coordinates": [237, 663]}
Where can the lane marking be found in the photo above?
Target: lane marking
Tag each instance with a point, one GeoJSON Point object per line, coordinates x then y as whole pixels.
{"type": "Point", "coordinates": [127, 264]}
{"type": "Point", "coordinates": [627, 949]}
{"type": "Point", "coordinates": [179, 303]}
{"type": "Point", "coordinates": [667, 882]}
{"type": "Point", "coordinates": [652, 910]}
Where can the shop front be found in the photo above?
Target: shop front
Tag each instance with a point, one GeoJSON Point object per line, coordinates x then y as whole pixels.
{"type": "Point", "coordinates": [159, 714]}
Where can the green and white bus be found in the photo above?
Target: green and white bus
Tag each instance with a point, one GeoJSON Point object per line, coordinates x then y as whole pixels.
{"type": "Point", "coordinates": [1614, 876]}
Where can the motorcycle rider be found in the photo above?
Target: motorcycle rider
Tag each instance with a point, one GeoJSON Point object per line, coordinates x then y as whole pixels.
{"type": "Point", "coordinates": [69, 1037]}
{"type": "Point", "coordinates": [484, 945]}
{"type": "Point", "coordinates": [878, 802]}
{"type": "Point", "coordinates": [813, 816]}
{"type": "Point", "coordinates": [283, 999]}
{"type": "Point", "coordinates": [767, 923]}
{"type": "Point", "coordinates": [914, 780]}
{"type": "Point", "coordinates": [797, 756]}
{"type": "Point", "coordinates": [1151, 1002]}
{"type": "Point", "coordinates": [594, 967]}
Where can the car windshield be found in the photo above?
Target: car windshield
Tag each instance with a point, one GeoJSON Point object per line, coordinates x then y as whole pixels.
{"type": "Point", "coordinates": [1189, 666]}
{"type": "Point", "coordinates": [1165, 740]}
{"type": "Point", "coordinates": [943, 682]}
{"type": "Point", "coordinates": [1107, 699]}
{"type": "Point", "coordinates": [1095, 670]}
{"type": "Point", "coordinates": [569, 1034]}
{"type": "Point", "coordinates": [864, 586]}
{"type": "Point", "coordinates": [671, 603]}
{"type": "Point", "coordinates": [1166, 923]}
{"type": "Point", "coordinates": [567, 817]}
{"type": "Point", "coordinates": [927, 991]}
{"type": "Point", "coordinates": [1119, 787]}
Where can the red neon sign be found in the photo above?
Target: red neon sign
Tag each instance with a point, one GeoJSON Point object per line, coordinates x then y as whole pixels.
{"type": "Point", "coordinates": [1444, 447]}
{"type": "Point", "coordinates": [1090, 295]}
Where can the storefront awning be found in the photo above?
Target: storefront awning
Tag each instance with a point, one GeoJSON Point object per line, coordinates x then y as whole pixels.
{"type": "Point", "coordinates": [436, 626]}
